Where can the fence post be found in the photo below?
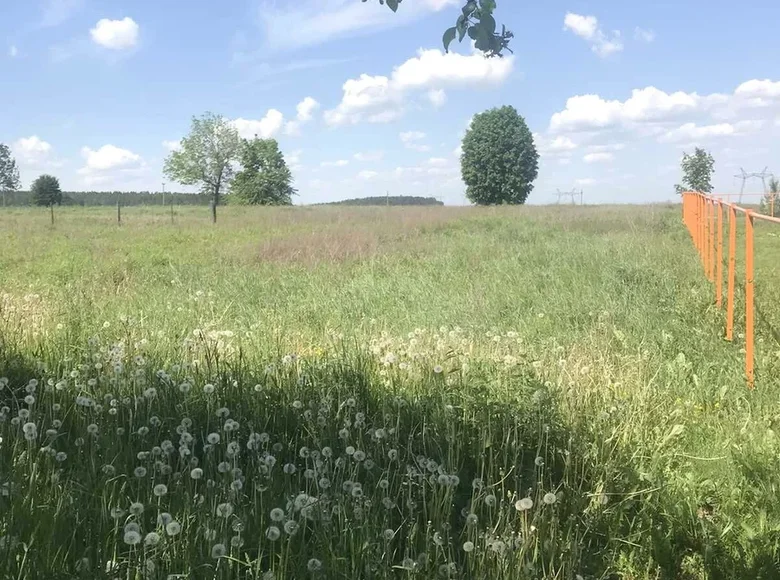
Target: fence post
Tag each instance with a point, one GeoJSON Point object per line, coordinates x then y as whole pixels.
{"type": "Point", "coordinates": [711, 241]}
{"type": "Point", "coordinates": [707, 241]}
{"type": "Point", "coordinates": [749, 315]}
{"type": "Point", "coordinates": [719, 259]}
{"type": "Point", "coordinates": [732, 273]}
{"type": "Point", "coordinates": [118, 213]}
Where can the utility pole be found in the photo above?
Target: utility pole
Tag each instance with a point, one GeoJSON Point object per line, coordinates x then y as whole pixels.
{"type": "Point", "coordinates": [573, 194]}
{"type": "Point", "coordinates": [163, 192]}
{"type": "Point", "coordinates": [762, 175]}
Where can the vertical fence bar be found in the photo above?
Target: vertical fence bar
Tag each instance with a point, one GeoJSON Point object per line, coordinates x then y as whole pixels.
{"type": "Point", "coordinates": [749, 315]}
{"type": "Point", "coordinates": [719, 259]}
{"type": "Point", "coordinates": [707, 237]}
{"type": "Point", "coordinates": [711, 241]}
{"type": "Point", "coordinates": [732, 273]}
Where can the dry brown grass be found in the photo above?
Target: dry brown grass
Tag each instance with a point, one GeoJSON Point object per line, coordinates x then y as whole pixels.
{"type": "Point", "coordinates": [354, 234]}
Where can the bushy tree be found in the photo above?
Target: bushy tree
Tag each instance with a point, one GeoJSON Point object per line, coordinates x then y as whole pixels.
{"type": "Point", "coordinates": [499, 162]}
{"type": "Point", "coordinates": [205, 157]}
{"type": "Point", "coordinates": [697, 172]}
{"type": "Point", "coordinates": [9, 173]}
{"type": "Point", "coordinates": [46, 191]}
{"type": "Point", "coordinates": [770, 203]}
{"type": "Point", "coordinates": [264, 178]}
{"type": "Point", "coordinates": [475, 21]}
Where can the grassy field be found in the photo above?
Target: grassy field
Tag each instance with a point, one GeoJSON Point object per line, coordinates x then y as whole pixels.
{"type": "Point", "coordinates": [538, 393]}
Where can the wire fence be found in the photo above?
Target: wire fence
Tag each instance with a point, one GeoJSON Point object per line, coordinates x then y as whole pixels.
{"type": "Point", "coordinates": [707, 218]}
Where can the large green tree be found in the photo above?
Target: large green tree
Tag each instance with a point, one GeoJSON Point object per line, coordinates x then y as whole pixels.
{"type": "Point", "coordinates": [9, 173]}
{"type": "Point", "coordinates": [46, 191]}
{"type": "Point", "coordinates": [264, 178]}
{"type": "Point", "coordinates": [475, 21]}
{"type": "Point", "coordinates": [205, 157]}
{"type": "Point", "coordinates": [499, 162]}
{"type": "Point", "coordinates": [697, 170]}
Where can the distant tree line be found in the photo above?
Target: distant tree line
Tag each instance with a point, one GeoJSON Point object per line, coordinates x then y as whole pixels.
{"type": "Point", "coordinates": [384, 200]}
{"type": "Point", "coordinates": [98, 198]}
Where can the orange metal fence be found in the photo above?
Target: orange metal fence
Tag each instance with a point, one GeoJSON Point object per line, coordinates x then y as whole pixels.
{"type": "Point", "coordinates": [703, 215]}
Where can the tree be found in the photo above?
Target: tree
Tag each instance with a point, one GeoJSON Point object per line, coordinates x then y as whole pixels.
{"type": "Point", "coordinates": [475, 21]}
{"type": "Point", "coordinates": [9, 173]}
{"type": "Point", "coordinates": [770, 203]}
{"type": "Point", "coordinates": [265, 178]}
{"type": "Point", "coordinates": [697, 172]}
{"type": "Point", "coordinates": [499, 161]}
{"type": "Point", "coordinates": [205, 157]}
{"type": "Point", "coordinates": [46, 191]}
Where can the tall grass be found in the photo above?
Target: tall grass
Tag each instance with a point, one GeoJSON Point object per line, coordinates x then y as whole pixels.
{"type": "Point", "coordinates": [366, 393]}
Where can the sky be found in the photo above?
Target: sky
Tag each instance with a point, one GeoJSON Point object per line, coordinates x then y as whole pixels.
{"type": "Point", "coordinates": [365, 102]}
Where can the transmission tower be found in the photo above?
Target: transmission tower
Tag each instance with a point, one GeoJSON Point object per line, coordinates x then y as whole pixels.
{"type": "Point", "coordinates": [756, 175]}
{"type": "Point", "coordinates": [573, 194]}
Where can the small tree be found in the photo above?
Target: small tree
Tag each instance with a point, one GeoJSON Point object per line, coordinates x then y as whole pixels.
{"type": "Point", "coordinates": [265, 178]}
{"type": "Point", "coordinates": [205, 157]}
{"type": "Point", "coordinates": [770, 203]}
{"type": "Point", "coordinates": [46, 191]}
{"type": "Point", "coordinates": [499, 161]}
{"type": "Point", "coordinates": [9, 173]}
{"type": "Point", "coordinates": [697, 170]}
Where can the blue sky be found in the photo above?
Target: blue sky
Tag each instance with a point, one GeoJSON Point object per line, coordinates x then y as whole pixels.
{"type": "Point", "coordinates": [364, 102]}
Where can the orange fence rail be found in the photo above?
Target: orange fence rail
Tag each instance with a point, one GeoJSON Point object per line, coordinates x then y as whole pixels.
{"type": "Point", "coordinates": [703, 215]}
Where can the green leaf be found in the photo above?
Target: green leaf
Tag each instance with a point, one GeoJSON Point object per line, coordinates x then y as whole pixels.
{"type": "Point", "coordinates": [469, 8]}
{"type": "Point", "coordinates": [449, 36]}
{"type": "Point", "coordinates": [489, 23]}
{"type": "Point", "coordinates": [462, 27]}
{"type": "Point", "coordinates": [392, 4]}
{"type": "Point", "coordinates": [487, 6]}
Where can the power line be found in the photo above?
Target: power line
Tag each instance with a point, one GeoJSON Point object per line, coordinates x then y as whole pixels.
{"type": "Point", "coordinates": [573, 194]}
{"type": "Point", "coordinates": [744, 176]}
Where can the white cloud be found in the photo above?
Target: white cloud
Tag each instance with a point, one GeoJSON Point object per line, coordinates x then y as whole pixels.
{"type": "Point", "coordinates": [458, 151]}
{"type": "Point", "coordinates": [438, 162]}
{"type": "Point", "coordinates": [172, 145]}
{"type": "Point", "coordinates": [305, 112]}
{"type": "Point", "coordinates": [369, 156]}
{"type": "Point", "coordinates": [598, 158]}
{"type": "Point", "coordinates": [585, 181]}
{"type": "Point", "coordinates": [293, 159]}
{"type": "Point", "coordinates": [591, 112]}
{"type": "Point", "coordinates": [108, 157]}
{"type": "Point", "coordinates": [306, 108]}
{"type": "Point", "coordinates": [295, 25]}
{"type": "Point", "coordinates": [338, 163]}
{"type": "Point", "coordinates": [606, 148]}
{"type": "Point", "coordinates": [264, 128]}
{"type": "Point", "coordinates": [587, 28]}
{"type": "Point", "coordinates": [437, 97]}
{"type": "Point", "coordinates": [31, 150]}
{"type": "Point", "coordinates": [690, 132]}
{"type": "Point", "coordinates": [557, 146]}
{"type": "Point", "coordinates": [381, 99]}
{"type": "Point", "coordinates": [758, 93]}
{"type": "Point", "coordinates": [115, 34]}
{"type": "Point", "coordinates": [411, 140]}
{"type": "Point", "coordinates": [366, 175]}
{"type": "Point", "coordinates": [106, 163]}
{"type": "Point", "coordinates": [13, 51]}
{"type": "Point", "coordinates": [644, 35]}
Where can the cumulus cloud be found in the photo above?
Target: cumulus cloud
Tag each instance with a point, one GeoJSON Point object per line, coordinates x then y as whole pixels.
{"type": "Point", "coordinates": [264, 128]}
{"type": "Point", "coordinates": [108, 162]}
{"type": "Point", "coordinates": [437, 97]}
{"type": "Point", "coordinates": [691, 132]}
{"type": "Point", "coordinates": [305, 112]}
{"type": "Point", "coordinates": [381, 99]}
{"type": "Point", "coordinates": [32, 150]}
{"type": "Point", "coordinates": [366, 175]}
{"type": "Point", "coordinates": [115, 34]}
{"type": "Point", "coordinates": [587, 28]}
